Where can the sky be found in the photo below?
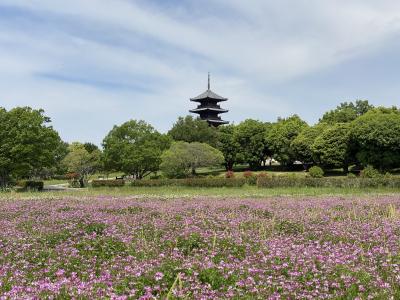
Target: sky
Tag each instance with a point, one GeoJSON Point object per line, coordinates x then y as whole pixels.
{"type": "Point", "coordinates": [93, 64]}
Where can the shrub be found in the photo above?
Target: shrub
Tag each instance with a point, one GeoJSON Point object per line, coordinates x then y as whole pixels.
{"type": "Point", "coordinates": [370, 172]}
{"type": "Point", "coordinates": [108, 183]}
{"type": "Point", "coordinates": [316, 172]}
{"type": "Point", "coordinates": [286, 181]}
{"type": "Point", "coordinates": [229, 174]}
{"type": "Point", "coordinates": [192, 182]}
{"type": "Point", "coordinates": [30, 185]}
{"type": "Point", "coordinates": [262, 175]}
{"type": "Point", "coordinates": [351, 175]}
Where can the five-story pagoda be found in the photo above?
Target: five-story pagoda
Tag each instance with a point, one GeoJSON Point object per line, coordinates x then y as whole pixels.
{"type": "Point", "coordinates": [208, 107]}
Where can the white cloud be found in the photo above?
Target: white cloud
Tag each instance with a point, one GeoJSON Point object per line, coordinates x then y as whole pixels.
{"type": "Point", "coordinates": [157, 57]}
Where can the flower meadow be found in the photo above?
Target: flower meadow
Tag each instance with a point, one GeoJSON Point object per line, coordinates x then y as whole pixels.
{"type": "Point", "coordinates": [200, 248]}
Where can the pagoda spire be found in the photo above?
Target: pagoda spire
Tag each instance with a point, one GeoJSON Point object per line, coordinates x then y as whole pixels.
{"type": "Point", "coordinates": [208, 80]}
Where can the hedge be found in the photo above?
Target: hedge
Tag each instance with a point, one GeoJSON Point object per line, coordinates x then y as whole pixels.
{"type": "Point", "coordinates": [192, 182]}
{"type": "Point", "coordinates": [271, 182]}
{"type": "Point", "coordinates": [30, 185]}
{"type": "Point", "coordinates": [108, 183]}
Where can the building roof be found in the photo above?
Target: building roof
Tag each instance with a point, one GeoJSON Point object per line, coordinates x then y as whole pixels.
{"type": "Point", "coordinates": [219, 110]}
{"type": "Point", "coordinates": [210, 95]}
{"type": "Point", "coordinates": [217, 121]}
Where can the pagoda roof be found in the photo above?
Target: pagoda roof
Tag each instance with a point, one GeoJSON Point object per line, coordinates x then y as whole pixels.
{"type": "Point", "coordinates": [217, 121]}
{"type": "Point", "coordinates": [219, 110]}
{"type": "Point", "coordinates": [209, 94]}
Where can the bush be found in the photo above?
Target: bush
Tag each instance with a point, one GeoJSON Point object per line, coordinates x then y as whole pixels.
{"type": "Point", "coordinates": [316, 172]}
{"type": "Point", "coordinates": [351, 175]}
{"type": "Point", "coordinates": [192, 182]}
{"type": "Point", "coordinates": [370, 172]}
{"type": "Point", "coordinates": [30, 185]}
{"type": "Point", "coordinates": [230, 174]}
{"type": "Point", "coordinates": [108, 183]}
{"type": "Point", "coordinates": [284, 181]}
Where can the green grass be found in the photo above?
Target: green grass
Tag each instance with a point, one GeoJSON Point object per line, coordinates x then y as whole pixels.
{"type": "Point", "coordinates": [182, 192]}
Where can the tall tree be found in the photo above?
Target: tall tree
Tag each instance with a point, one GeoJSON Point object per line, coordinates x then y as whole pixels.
{"type": "Point", "coordinates": [302, 144]}
{"type": "Point", "coordinates": [281, 135]}
{"type": "Point", "coordinates": [250, 136]}
{"type": "Point", "coordinates": [82, 162]}
{"type": "Point", "coordinates": [189, 129]}
{"type": "Point", "coordinates": [228, 145]}
{"type": "Point", "coordinates": [135, 148]}
{"type": "Point", "coordinates": [377, 138]}
{"type": "Point", "coordinates": [182, 159]}
{"type": "Point", "coordinates": [346, 112]}
{"type": "Point", "coordinates": [332, 148]}
{"type": "Point", "coordinates": [28, 143]}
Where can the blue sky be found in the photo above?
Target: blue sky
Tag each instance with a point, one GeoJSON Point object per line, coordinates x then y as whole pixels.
{"type": "Point", "coordinates": [91, 64]}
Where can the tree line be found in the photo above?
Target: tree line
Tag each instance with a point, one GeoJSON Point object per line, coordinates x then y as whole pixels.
{"type": "Point", "coordinates": [355, 134]}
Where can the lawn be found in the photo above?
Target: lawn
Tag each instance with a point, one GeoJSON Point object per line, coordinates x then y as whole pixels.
{"type": "Point", "coordinates": [108, 245]}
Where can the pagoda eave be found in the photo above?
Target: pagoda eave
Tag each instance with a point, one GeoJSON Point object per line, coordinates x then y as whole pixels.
{"type": "Point", "coordinates": [219, 110]}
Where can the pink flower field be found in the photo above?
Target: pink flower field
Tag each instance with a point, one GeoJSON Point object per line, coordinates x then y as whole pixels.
{"type": "Point", "coordinates": [204, 248]}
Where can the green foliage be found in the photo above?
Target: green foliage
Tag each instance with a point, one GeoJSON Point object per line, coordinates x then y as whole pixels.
{"type": "Point", "coordinates": [302, 144]}
{"type": "Point", "coordinates": [370, 172]}
{"type": "Point", "coordinates": [346, 112]}
{"type": "Point", "coordinates": [108, 183]}
{"type": "Point", "coordinates": [135, 148]}
{"type": "Point", "coordinates": [327, 182]}
{"type": "Point", "coordinates": [28, 143]}
{"type": "Point", "coordinates": [280, 137]}
{"type": "Point", "coordinates": [250, 136]}
{"type": "Point", "coordinates": [213, 277]}
{"type": "Point", "coordinates": [376, 136]}
{"type": "Point", "coordinates": [332, 147]}
{"type": "Point", "coordinates": [228, 145]}
{"type": "Point", "coordinates": [316, 172]}
{"type": "Point", "coordinates": [182, 159]}
{"type": "Point", "coordinates": [82, 162]}
{"type": "Point", "coordinates": [192, 182]}
{"type": "Point", "coordinates": [189, 129]}
{"type": "Point", "coordinates": [30, 185]}
{"type": "Point", "coordinates": [187, 244]}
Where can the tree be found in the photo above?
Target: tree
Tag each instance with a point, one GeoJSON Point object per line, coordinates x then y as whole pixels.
{"type": "Point", "coordinates": [332, 148]}
{"type": "Point", "coordinates": [281, 135]}
{"type": "Point", "coordinates": [90, 147]}
{"type": "Point", "coordinates": [302, 144]}
{"type": "Point", "coordinates": [346, 112]}
{"type": "Point", "coordinates": [135, 148]}
{"type": "Point", "coordinates": [182, 159]}
{"type": "Point", "coordinates": [377, 138]}
{"type": "Point", "coordinates": [80, 161]}
{"type": "Point", "coordinates": [228, 145]}
{"type": "Point", "coordinates": [250, 136]}
{"type": "Point", "coordinates": [189, 129]}
{"type": "Point", "coordinates": [28, 143]}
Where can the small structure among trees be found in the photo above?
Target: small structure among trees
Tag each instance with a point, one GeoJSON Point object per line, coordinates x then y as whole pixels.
{"type": "Point", "coordinates": [208, 109]}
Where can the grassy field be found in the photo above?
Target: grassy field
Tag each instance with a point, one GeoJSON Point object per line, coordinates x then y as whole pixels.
{"type": "Point", "coordinates": [179, 192]}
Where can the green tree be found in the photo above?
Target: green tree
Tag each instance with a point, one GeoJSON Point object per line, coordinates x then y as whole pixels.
{"type": "Point", "coordinates": [135, 148]}
{"type": "Point", "coordinates": [182, 159]}
{"type": "Point", "coordinates": [80, 161]}
{"type": "Point", "coordinates": [332, 148]}
{"type": "Point", "coordinates": [90, 147]}
{"type": "Point", "coordinates": [28, 143]}
{"type": "Point", "coordinates": [281, 135]}
{"type": "Point", "coordinates": [189, 129]}
{"type": "Point", "coordinates": [228, 145]}
{"type": "Point", "coordinates": [302, 144]}
{"type": "Point", "coordinates": [346, 112]}
{"type": "Point", "coordinates": [377, 138]}
{"type": "Point", "coordinates": [250, 136]}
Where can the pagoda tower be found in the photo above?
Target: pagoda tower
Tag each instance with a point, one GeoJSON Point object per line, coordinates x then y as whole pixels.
{"type": "Point", "coordinates": [208, 107]}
